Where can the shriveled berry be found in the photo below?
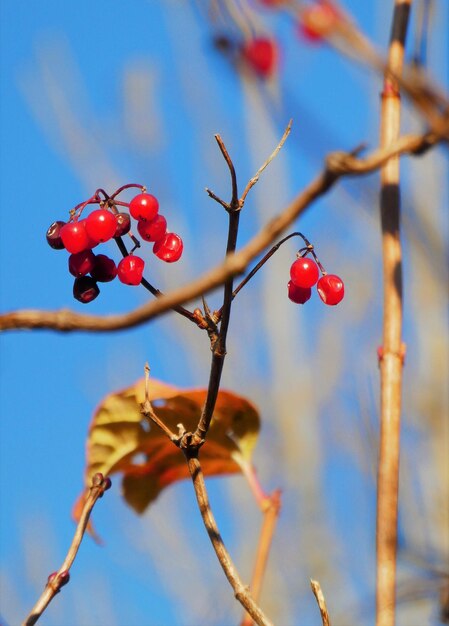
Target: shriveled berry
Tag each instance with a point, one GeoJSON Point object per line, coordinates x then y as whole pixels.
{"type": "Point", "coordinates": [85, 289]}
{"type": "Point", "coordinates": [123, 224]}
{"type": "Point", "coordinates": [81, 263]}
{"type": "Point", "coordinates": [298, 295]}
{"type": "Point", "coordinates": [153, 230]}
{"type": "Point", "coordinates": [74, 236]}
{"type": "Point", "coordinates": [318, 20]}
{"type": "Point", "coordinates": [104, 269]}
{"type": "Point", "coordinates": [130, 270]}
{"type": "Point", "coordinates": [331, 289]}
{"type": "Point", "coordinates": [262, 55]}
{"type": "Point", "coordinates": [54, 235]}
{"type": "Point", "coordinates": [144, 207]}
{"type": "Point", "coordinates": [169, 248]}
{"type": "Point", "coordinates": [101, 225]}
{"type": "Point", "coordinates": [304, 272]}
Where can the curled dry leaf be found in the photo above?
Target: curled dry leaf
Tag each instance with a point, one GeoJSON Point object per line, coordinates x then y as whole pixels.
{"type": "Point", "coordinates": [121, 440]}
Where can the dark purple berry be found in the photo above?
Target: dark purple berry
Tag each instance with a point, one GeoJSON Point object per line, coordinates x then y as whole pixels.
{"type": "Point", "coordinates": [85, 289]}
{"type": "Point", "coordinates": [123, 224]}
{"type": "Point", "coordinates": [104, 269]}
{"type": "Point", "coordinates": [81, 263]}
{"type": "Point", "coordinates": [53, 235]}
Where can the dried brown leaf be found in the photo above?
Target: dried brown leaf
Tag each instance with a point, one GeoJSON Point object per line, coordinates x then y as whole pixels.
{"type": "Point", "coordinates": [121, 440]}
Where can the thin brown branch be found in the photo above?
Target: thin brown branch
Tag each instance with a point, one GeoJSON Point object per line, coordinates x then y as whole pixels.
{"type": "Point", "coordinates": [241, 591]}
{"type": "Point", "coordinates": [233, 205]}
{"type": "Point", "coordinates": [61, 577]}
{"type": "Point", "coordinates": [338, 164]}
{"type": "Point", "coordinates": [272, 156]}
{"type": "Point", "coordinates": [214, 196]}
{"type": "Point", "coordinates": [391, 361]}
{"type": "Point", "coordinates": [259, 265]}
{"type": "Point", "coordinates": [147, 409]}
{"type": "Point", "coordinates": [218, 342]}
{"type": "Point", "coordinates": [317, 592]}
{"type": "Point", "coordinates": [270, 508]}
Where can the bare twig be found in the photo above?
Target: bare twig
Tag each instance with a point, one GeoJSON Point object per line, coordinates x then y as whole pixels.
{"type": "Point", "coordinates": [338, 164]}
{"type": "Point", "coordinates": [214, 196]}
{"type": "Point", "coordinates": [61, 577]}
{"type": "Point", "coordinates": [241, 591]}
{"type": "Point", "coordinates": [147, 409]}
{"type": "Point", "coordinates": [218, 343]}
{"type": "Point", "coordinates": [391, 360]}
{"type": "Point", "coordinates": [270, 509]}
{"type": "Point", "coordinates": [273, 155]}
{"type": "Point", "coordinates": [233, 205]}
{"type": "Point", "coordinates": [317, 592]}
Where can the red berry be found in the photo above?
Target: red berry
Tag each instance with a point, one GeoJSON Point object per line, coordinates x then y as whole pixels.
{"type": "Point", "coordinates": [144, 207]}
{"type": "Point", "coordinates": [123, 224]}
{"type": "Point", "coordinates": [85, 289]}
{"type": "Point", "coordinates": [261, 54]}
{"type": "Point", "coordinates": [74, 236]}
{"type": "Point", "coordinates": [318, 21]}
{"type": "Point", "coordinates": [304, 272]}
{"type": "Point", "coordinates": [81, 263]}
{"type": "Point", "coordinates": [104, 269]}
{"type": "Point", "coordinates": [331, 289]}
{"type": "Point", "coordinates": [130, 270]}
{"type": "Point", "coordinates": [154, 230]}
{"type": "Point", "coordinates": [101, 225]}
{"type": "Point", "coordinates": [299, 295]}
{"type": "Point", "coordinates": [54, 235]}
{"type": "Point", "coordinates": [169, 248]}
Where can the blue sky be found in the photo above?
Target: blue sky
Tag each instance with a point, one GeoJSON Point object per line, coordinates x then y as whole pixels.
{"type": "Point", "coordinates": [100, 94]}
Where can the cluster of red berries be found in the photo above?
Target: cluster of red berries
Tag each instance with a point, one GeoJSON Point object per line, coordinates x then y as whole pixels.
{"type": "Point", "coordinates": [304, 274]}
{"type": "Point", "coordinates": [80, 235]}
{"type": "Point", "coordinates": [315, 22]}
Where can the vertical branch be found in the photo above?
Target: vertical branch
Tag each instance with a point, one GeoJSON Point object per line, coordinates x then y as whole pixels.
{"type": "Point", "coordinates": [241, 592]}
{"type": "Point", "coordinates": [219, 344]}
{"type": "Point", "coordinates": [391, 356]}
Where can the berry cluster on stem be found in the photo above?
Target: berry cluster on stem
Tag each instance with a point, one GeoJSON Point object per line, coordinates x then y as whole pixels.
{"type": "Point", "coordinates": [80, 235]}
{"type": "Point", "coordinates": [305, 274]}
